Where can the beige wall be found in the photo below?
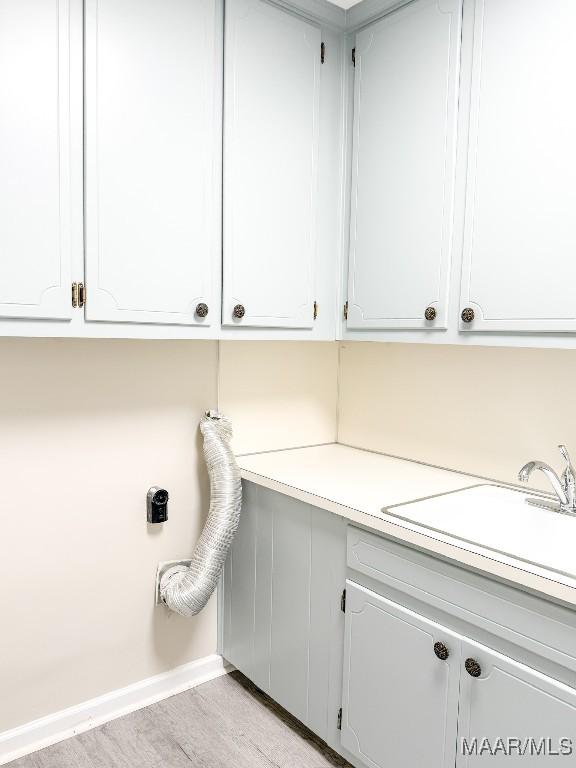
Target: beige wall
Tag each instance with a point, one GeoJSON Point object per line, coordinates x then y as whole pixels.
{"type": "Point", "coordinates": [86, 427]}
{"type": "Point", "coordinates": [484, 410]}
{"type": "Point", "coordinates": [279, 394]}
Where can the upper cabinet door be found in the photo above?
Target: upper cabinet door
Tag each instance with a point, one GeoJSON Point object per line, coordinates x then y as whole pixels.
{"type": "Point", "coordinates": [519, 268]}
{"type": "Point", "coordinates": [271, 130]}
{"type": "Point", "coordinates": [509, 707]}
{"type": "Point", "coordinates": [35, 199]}
{"type": "Point", "coordinates": [152, 160]}
{"type": "Point", "coordinates": [403, 165]}
{"type": "Point", "coordinates": [400, 700]}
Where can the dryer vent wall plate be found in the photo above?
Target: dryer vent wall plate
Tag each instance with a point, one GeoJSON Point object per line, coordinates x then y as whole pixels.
{"type": "Point", "coordinates": [163, 568]}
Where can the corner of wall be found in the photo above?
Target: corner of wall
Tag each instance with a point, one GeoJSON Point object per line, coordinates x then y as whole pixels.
{"type": "Point", "coordinates": [281, 394]}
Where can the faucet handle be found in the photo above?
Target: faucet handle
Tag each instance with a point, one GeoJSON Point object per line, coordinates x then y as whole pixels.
{"type": "Point", "coordinates": [569, 478]}
{"type": "Point", "coordinates": [566, 455]}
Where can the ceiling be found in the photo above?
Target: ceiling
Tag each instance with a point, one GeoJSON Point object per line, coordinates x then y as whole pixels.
{"type": "Point", "coordinates": [344, 3]}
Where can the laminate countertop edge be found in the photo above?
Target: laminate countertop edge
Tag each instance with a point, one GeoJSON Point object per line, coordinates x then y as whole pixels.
{"type": "Point", "coordinates": [517, 573]}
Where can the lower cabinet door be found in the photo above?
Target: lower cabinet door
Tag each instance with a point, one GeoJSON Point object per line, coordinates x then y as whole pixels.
{"type": "Point", "coordinates": [280, 607]}
{"type": "Point", "coordinates": [400, 698]}
{"type": "Point", "coordinates": [509, 712]}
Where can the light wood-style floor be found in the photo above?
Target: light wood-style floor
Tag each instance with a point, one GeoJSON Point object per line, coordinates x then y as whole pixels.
{"type": "Point", "coordinates": [226, 723]}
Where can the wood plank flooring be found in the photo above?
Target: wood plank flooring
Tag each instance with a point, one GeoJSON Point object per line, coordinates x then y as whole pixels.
{"type": "Point", "coordinates": [226, 723]}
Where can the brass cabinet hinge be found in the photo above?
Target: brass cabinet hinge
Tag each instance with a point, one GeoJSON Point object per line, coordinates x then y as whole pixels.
{"type": "Point", "coordinates": [354, 57]}
{"type": "Point", "coordinates": [346, 311]}
{"type": "Point", "coordinates": [78, 295]}
{"type": "Point", "coordinates": [339, 720]}
{"type": "Point", "coordinates": [322, 53]}
{"type": "Point", "coordinates": [315, 310]}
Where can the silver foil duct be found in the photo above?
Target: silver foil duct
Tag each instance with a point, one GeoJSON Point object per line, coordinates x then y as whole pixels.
{"type": "Point", "coordinates": [187, 590]}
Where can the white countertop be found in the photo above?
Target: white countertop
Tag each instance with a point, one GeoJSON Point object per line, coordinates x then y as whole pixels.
{"type": "Point", "coordinates": [358, 484]}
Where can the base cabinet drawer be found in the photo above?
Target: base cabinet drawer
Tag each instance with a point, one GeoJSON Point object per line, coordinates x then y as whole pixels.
{"type": "Point", "coordinates": [401, 677]}
{"type": "Point", "coordinates": [470, 603]}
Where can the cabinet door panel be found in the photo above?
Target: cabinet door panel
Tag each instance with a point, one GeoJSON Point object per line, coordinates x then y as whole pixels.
{"type": "Point", "coordinates": [272, 98]}
{"type": "Point", "coordinates": [291, 587]}
{"type": "Point", "coordinates": [240, 584]}
{"type": "Point", "coordinates": [35, 220]}
{"type": "Point", "coordinates": [405, 110]}
{"type": "Point", "coordinates": [281, 605]}
{"type": "Point", "coordinates": [520, 240]}
{"type": "Point", "coordinates": [515, 704]}
{"type": "Point", "coordinates": [400, 702]}
{"type": "Point", "coordinates": [152, 149]}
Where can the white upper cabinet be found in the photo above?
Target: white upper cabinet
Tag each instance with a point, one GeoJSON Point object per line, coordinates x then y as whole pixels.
{"type": "Point", "coordinates": [153, 84]}
{"type": "Point", "coordinates": [519, 270]}
{"type": "Point", "coordinates": [35, 197]}
{"type": "Point", "coordinates": [403, 165]}
{"type": "Point", "coordinates": [271, 147]}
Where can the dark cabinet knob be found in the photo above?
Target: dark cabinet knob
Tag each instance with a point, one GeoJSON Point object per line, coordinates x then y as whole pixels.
{"type": "Point", "coordinates": [202, 310]}
{"type": "Point", "coordinates": [239, 311]}
{"type": "Point", "coordinates": [473, 668]}
{"type": "Point", "coordinates": [467, 315]}
{"type": "Point", "coordinates": [430, 313]}
{"type": "Point", "coordinates": [441, 651]}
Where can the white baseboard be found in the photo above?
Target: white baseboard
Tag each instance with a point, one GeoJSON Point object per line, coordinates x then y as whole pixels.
{"type": "Point", "coordinates": [82, 717]}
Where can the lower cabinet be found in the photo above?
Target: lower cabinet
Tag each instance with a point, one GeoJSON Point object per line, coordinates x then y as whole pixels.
{"type": "Point", "coordinates": [399, 700]}
{"type": "Point", "coordinates": [510, 709]}
{"type": "Point", "coordinates": [280, 606]}
{"type": "Point", "coordinates": [401, 670]}
{"type": "Point", "coordinates": [416, 693]}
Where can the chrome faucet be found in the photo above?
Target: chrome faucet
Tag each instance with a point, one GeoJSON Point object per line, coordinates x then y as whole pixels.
{"type": "Point", "coordinates": [564, 486]}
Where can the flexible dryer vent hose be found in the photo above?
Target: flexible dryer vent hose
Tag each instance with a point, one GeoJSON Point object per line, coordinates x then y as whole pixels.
{"type": "Point", "coordinates": [187, 590]}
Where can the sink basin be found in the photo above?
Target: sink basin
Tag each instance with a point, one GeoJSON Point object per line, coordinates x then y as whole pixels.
{"type": "Point", "coordinates": [498, 519]}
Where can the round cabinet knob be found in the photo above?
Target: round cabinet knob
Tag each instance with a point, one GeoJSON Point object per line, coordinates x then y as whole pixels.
{"type": "Point", "coordinates": [473, 668]}
{"type": "Point", "coordinates": [430, 313]}
{"type": "Point", "coordinates": [467, 315]}
{"type": "Point", "coordinates": [441, 651]}
{"type": "Point", "coordinates": [239, 311]}
{"type": "Point", "coordinates": [202, 310]}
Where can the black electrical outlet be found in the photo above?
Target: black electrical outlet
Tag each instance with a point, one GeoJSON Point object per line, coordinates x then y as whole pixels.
{"type": "Point", "coordinates": [157, 505]}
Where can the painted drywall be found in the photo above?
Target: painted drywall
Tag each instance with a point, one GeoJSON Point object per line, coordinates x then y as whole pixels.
{"type": "Point", "coordinates": [86, 427]}
{"type": "Point", "coordinates": [483, 410]}
{"type": "Point", "coordinates": [279, 394]}
{"type": "Point", "coordinates": [345, 3]}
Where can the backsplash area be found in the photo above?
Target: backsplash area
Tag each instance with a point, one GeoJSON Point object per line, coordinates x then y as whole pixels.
{"type": "Point", "coordinates": [484, 410]}
{"type": "Point", "coordinates": [279, 394]}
